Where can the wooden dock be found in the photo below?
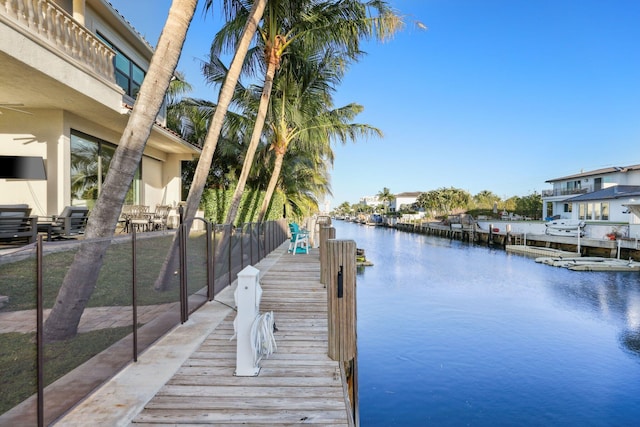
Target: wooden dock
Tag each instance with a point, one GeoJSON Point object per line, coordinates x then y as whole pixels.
{"type": "Point", "coordinates": [298, 384]}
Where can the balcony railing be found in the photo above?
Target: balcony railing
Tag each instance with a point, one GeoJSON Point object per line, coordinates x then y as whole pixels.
{"type": "Point", "coordinates": [565, 192]}
{"type": "Point", "coordinates": [57, 28]}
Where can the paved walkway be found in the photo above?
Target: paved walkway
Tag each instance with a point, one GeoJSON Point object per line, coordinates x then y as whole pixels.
{"type": "Point", "coordinates": [93, 318]}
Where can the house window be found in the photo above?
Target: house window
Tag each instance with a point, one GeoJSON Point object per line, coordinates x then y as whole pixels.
{"type": "Point", "coordinates": [568, 207]}
{"type": "Point", "coordinates": [597, 209]}
{"type": "Point", "coordinates": [604, 209]}
{"type": "Point", "coordinates": [589, 211]}
{"type": "Point", "coordinates": [582, 211]}
{"type": "Point", "coordinates": [90, 160]}
{"type": "Point", "coordinates": [597, 184]}
{"type": "Point", "coordinates": [128, 75]}
{"type": "Point", "coordinates": [573, 186]}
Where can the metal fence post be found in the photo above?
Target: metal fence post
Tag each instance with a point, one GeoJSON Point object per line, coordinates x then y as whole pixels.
{"type": "Point", "coordinates": [40, 332]}
{"type": "Point", "coordinates": [210, 263]}
{"type": "Point", "coordinates": [134, 293]}
{"type": "Point", "coordinates": [184, 301]}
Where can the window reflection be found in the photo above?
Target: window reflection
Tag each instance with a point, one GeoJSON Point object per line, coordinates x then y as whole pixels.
{"type": "Point", "coordinates": [90, 160]}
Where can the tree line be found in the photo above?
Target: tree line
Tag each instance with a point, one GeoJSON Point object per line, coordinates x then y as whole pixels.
{"type": "Point", "coordinates": [441, 202]}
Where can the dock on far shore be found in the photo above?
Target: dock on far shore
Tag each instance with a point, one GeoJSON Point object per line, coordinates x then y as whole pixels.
{"type": "Point", "coordinates": [535, 251]}
{"type": "Point", "coordinates": [501, 235]}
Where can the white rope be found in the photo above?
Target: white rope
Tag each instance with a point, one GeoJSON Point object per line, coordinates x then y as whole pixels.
{"type": "Point", "coordinates": [263, 343]}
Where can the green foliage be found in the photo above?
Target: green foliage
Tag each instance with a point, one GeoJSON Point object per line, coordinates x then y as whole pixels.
{"type": "Point", "coordinates": [486, 200]}
{"type": "Point", "coordinates": [385, 197]}
{"type": "Point", "coordinates": [510, 204]}
{"type": "Point", "coordinates": [216, 204]}
{"type": "Point", "coordinates": [444, 200]}
{"type": "Point", "coordinates": [530, 206]}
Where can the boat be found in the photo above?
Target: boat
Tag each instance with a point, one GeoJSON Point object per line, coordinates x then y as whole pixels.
{"type": "Point", "coordinates": [591, 263]}
{"type": "Point", "coordinates": [565, 227]}
{"type": "Point", "coordinates": [607, 265]}
{"type": "Point", "coordinates": [562, 261]}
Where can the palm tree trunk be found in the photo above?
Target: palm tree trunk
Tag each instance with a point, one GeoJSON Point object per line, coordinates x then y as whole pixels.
{"type": "Point", "coordinates": [211, 141]}
{"type": "Point", "coordinates": [271, 188]}
{"type": "Point", "coordinates": [253, 145]}
{"type": "Point", "coordinates": [80, 279]}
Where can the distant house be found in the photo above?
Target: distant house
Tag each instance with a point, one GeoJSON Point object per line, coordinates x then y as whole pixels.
{"type": "Point", "coordinates": [401, 200]}
{"type": "Point", "coordinates": [601, 195]}
{"type": "Point", "coordinates": [70, 72]}
{"type": "Point", "coordinates": [370, 201]}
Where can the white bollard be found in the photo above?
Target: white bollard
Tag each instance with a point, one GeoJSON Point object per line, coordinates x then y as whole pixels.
{"type": "Point", "coordinates": [247, 295]}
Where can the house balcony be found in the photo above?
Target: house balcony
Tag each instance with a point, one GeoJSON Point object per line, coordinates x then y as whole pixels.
{"type": "Point", "coordinates": [52, 64]}
{"type": "Point", "coordinates": [50, 61]}
{"type": "Point", "coordinates": [564, 192]}
{"type": "Point", "coordinates": [54, 27]}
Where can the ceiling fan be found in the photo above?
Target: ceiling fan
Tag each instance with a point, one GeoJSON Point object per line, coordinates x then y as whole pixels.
{"type": "Point", "coordinates": [13, 107]}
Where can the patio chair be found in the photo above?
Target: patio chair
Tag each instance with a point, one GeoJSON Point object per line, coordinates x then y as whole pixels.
{"type": "Point", "coordinates": [299, 243]}
{"type": "Point", "coordinates": [159, 219]}
{"type": "Point", "coordinates": [17, 225]}
{"type": "Point", "coordinates": [139, 217]}
{"type": "Point", "coordinates": [71, 223]}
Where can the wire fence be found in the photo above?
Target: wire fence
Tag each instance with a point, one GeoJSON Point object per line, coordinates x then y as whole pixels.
{"type": "Point", "coordinates": [128, 306]}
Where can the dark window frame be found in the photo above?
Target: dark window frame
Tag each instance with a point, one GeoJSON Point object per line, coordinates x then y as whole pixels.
{"type": "Point", "coordinates": [125, 77]}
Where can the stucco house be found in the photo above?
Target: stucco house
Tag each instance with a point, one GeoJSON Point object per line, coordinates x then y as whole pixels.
{"type": "Point", "coordinates": [70, 71]}
{"type": "Point", "coordinates": [599, 196]}
{"type": "Point", "coordinates": [403, 199]}
{"type": "Point", "coordinates": [370, 201]}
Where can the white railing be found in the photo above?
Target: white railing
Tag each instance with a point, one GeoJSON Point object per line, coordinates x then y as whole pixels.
{"type": "Point", "coordinates": [57, 28]}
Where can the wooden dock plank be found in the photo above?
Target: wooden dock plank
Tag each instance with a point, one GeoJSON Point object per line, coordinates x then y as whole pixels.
{"type": "Point", "coordinates": [297, 384]}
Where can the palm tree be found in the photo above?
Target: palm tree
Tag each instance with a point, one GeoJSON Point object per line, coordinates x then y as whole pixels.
{"type": "Point", "coordinates": [304, 180]}
{"type": "Point", "coordinates": [386, 198]}
{"type": "Point", "coordinates": [301, 111]}
{"type": "Point", "coordinates": [81, 277]}
{"type": "Point", "coordinates": [320, 24]}
{"type": "Point", "coordinates": [443, 200]}
{"type": "Point", "coordinates": [245, 34]}
{"type": "Point", "coordinates": [242, 42]}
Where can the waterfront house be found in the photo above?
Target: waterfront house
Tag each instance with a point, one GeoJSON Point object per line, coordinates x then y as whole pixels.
{"type": "Point", "coordinates": [598, 196]}
{"type": "Point", "coordinates": [406, 199]}
{"type": "Point", "coordinates": [370, 201]}
{"type": "Point", "coordinates": [71, 70]}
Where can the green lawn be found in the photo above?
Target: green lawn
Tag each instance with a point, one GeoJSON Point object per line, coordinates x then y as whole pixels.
{"type": "Point", "coordinates": [18, 360]}
{"type": "Point", "coordinates": [18, 281]}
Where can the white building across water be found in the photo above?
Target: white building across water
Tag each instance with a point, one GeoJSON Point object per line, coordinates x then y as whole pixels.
{"type": "Point", "coordinates": [608, 195]}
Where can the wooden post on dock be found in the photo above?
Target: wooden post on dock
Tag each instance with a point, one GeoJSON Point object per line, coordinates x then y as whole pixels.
{"type": "Point", "coordinates": [341, 305]}
{"type": "Point", "coordinates": [341, 295]}
{"type": "Point", "coordinates": [319, 222]}
{"type": "Point", "coordinates": [490, 238]}
{"type": "Point", "coordinates": [507, 238]}
{"type": "Point", "coordinates": [326, 233]}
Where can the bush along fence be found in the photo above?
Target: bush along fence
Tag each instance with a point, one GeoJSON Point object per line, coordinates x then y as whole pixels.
{"type": "Point", "coordinates": [127, 309]}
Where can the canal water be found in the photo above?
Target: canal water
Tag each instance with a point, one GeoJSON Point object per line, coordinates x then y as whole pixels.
{"type": "Point", "coordinates": [452, 334]}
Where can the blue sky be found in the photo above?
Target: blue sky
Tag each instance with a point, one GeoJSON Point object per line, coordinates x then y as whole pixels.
{"type": "Point", "coordinates": [497, 95]}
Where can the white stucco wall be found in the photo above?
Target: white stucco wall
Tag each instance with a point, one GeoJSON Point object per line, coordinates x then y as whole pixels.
{"type": "Point", "coordinates": [48, 136]}
{"type": "Point", "coordinates": [44, 138]}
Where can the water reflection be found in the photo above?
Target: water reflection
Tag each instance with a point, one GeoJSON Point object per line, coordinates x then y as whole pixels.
{"type": "Point", "coordinates": [456, 334]}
